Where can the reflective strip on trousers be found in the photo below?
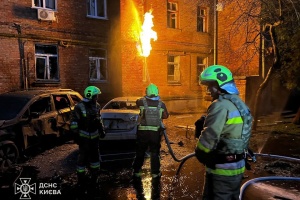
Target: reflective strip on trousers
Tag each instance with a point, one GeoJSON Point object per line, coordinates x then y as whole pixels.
{"type": "Point", "coordinates": [88, 135]}
{"type": "Point", "coordinates": [80, 169]}
{"type": "Point", "coordinates": [95, 165]}
{"type": "Point", "coordinates": [228, 169]}
{"type": "Point", "coordinates": [148, 128]}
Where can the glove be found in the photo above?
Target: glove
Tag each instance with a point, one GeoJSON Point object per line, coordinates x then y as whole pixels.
{"type": "Point", "coordinates": [199, 126]}
{"type": "Point", "coordinates": [206, 159]}
{"type": "Point", "coordinates": [102, 134]}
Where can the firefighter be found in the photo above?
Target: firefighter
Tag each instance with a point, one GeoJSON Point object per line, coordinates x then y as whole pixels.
{"type": "Point", "coordinates": [225, 136]}
{"type": "Point", "coordinates": [152, 111]}
{"type": "Point", "coordinates": [87, 126]}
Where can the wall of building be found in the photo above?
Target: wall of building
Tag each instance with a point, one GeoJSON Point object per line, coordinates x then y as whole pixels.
{"type": "Point", "coordinates": [184, 41]}
{"type": "Point", "coordinates": [73, 33]}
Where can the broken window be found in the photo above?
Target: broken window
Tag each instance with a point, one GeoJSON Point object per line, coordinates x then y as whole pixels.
{"type": "Point", "coordinates": [173, 69]}
{"type": "Point", "coordinates": [201, 65]}
{"type": "Point", "coordinates": [97, 9]}
{"type": "Point", "coordinates": [48, 4]}
{"type": "Point", "coordinates": [61, 102]}
{"type": "Point", "coordinates": [172, 15]}
{"type": "Point", "coordinates": [98, 65]}
{"type": "Point", "coordinates": [201, 19]}
{"type": "Point", "coordinates": [46, 62]}
{"type": "Point", "coordinates": [41, 106]}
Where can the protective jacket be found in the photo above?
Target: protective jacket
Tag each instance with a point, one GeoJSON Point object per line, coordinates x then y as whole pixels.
{"type": "Point", "coordinates": [225, 135]}
{"type": "Point", "coordinates": [86, 120]}
{"type": "Point", "coordinates": [152, 113]}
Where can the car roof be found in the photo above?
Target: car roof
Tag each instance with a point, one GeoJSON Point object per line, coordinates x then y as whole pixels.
{"type": "Point", "coordinates": [126, 98]}
{"type": "Point", "coordinates": [33, 92]}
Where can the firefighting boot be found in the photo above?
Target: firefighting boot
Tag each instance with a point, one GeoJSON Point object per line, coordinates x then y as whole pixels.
{"type": "Point", "coordinates": [81, 182]}
{"type": "Point", "coordinates": [94, 179]}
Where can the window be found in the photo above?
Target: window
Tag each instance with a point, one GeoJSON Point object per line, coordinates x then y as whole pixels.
{"type": "Point", "coordinates": [46, 62]}
{"type": "Point", "coordinates": [173, 69]}
{"type": "Point", "coordinates": [201, 19]}
{"type": "Point", "coordinates": [201, 65]}
{"type": "Point", "coordinates": [41, 106]}
{"type": "Point", "coordinates": [172, 15]}
{"type": "Point", "coordinates": [98, 65]}
{"type": "Point", "coordinates": [47, 4]}
{"type": "Point", "coordinates": [61, 101]}
{"type": "Point", "coordinates": [97, 9]}
{"type": "Point", "coordinates": [75, 99]}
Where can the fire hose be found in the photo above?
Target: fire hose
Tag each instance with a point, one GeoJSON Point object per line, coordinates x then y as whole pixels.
{"type": "Point", "coordinates": [181, 160]}
{"type": "Point", "coordinates": [269, 178]}
{"type": "Point", "coordinates": [246, 184]}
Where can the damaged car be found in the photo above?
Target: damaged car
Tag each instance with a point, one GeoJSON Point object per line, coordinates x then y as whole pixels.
{"type": "Point", "coordinates": [28, 116]}
{"type": "Point", "coordinates": [120, 118]}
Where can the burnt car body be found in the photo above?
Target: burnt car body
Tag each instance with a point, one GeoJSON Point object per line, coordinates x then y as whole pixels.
{"type": "Point", "coordinates": [120, 118]}
{"type": "Point", "coordinates": [27, 116]}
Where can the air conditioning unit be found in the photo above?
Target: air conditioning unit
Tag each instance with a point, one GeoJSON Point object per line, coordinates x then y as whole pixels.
{"type": "Point", "coordinates": [46, 15]}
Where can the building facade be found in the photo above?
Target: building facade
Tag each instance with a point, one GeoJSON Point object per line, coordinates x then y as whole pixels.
{"type": "Point", "coordinates": [58, 44]}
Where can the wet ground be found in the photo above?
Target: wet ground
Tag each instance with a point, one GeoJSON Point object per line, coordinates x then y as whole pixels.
{"type": "Point", "coordinates": [55, 168]}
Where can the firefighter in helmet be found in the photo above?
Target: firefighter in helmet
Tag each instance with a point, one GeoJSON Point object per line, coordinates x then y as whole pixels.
{"type": "Point", "coordinates": [225, 136]}
{"type": "Point", "coordinates": [87, 127]}
{"type": "Point", "coordinates": [152, 111]}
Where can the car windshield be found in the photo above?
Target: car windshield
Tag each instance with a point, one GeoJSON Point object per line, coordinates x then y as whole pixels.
{"type": "Point", "coordinates": [10, 106]}
{"type": "Point", "coordinates": [121, 105]}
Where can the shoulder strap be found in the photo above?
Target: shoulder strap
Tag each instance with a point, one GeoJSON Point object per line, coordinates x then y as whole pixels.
{"type": "Point", "coordinates": [245, 114]}
{"type": "Point", "coordinates": [159, 105]}
{"type": "Point", "coordinates": [145, 103]}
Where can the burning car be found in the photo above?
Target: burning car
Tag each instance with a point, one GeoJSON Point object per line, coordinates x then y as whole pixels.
{"type": "Point", "coordinates": [28, 116]}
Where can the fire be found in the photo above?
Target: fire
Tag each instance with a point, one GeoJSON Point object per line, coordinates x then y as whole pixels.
{"type": "Point", "coordinates": [147, 34]}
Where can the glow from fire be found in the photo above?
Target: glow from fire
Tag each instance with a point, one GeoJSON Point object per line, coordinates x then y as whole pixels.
{"type": "Point", "coordinates": [146, 35]}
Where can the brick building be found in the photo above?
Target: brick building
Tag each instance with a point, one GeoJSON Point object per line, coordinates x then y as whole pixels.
{"type": "Point", "coordinates": [52, 43]}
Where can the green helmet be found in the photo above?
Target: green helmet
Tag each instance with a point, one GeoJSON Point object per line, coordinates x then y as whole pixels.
{"type": "Point", "coordinates": [222, 75]}
{"type": "Point", "coordinates": [152, 90]}
{"type": "Point", "coordinates": [217, 73]}
{"type": "Point", "coordinates": [90, 91]}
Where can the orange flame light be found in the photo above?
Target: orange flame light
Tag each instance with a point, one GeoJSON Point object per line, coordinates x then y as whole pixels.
{"type": "Point", "coordinates": [146, 35]}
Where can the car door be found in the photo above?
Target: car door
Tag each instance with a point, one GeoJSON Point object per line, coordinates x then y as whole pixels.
{"type": "Point", "coordinates": [63, 107]}
{"type": "Point", "coordinates": [41, 120]}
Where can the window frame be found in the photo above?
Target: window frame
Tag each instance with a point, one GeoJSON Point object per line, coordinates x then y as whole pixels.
{"type": "Point", "coordinates": [201, 66]}
{"type": "Point", "coordinates": [175, 77]}
{"type": "Point", "coordinates": [43, 4]}
{"type": "Point", "coordinates": [202, 18]}
{"type": "Point", "coordinates": [47, 68]}
{"type": "Point", "coordinates": [172, 15]}
{"type": "Point", "coordinates": [92, 10]}
{"type": "Point", "coordinates": [98, 66]}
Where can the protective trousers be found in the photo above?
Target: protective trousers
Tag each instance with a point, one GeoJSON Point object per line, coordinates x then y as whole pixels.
{"type": "Point", "coordinates": [88, 156]}
{"type": "Point", "coordinates": [152, 140]}
{"type": "Point", "coordinates": [218, 187]}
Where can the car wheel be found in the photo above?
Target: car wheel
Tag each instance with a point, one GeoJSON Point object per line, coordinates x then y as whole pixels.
{"type": "Point", "coordinates": [8, 155]}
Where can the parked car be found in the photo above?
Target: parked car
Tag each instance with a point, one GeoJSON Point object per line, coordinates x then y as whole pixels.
{"type": "Point", "coordinates": [120, 118]}
{"type": "Point", "coordinates": [27, 116]}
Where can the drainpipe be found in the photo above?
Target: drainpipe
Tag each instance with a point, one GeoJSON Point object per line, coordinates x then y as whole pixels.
{"type": "Point", "coordinates": [22, 57]}
{"type": "Point", "coordinates": [215, 33]}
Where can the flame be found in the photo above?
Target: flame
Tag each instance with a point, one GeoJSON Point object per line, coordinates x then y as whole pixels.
{"type": "Point", "coordinates": [146, 35]}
